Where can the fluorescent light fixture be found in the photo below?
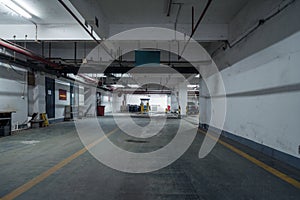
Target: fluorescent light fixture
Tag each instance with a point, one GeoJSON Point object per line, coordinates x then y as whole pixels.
{"type": "Point", "coordinates": [133, 85]}
{"type": "Point", "coordinates": [192, 86]}
{"type": "Point", "coordinates": [101, 75]}
{"type": "Point", "coordinates": [118, 75]}
{"type": "Point", "coordinates": [117, 86]}
{"type": "Point", "coordinates": [16, 8]}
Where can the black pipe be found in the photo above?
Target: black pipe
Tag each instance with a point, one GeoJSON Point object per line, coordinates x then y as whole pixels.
{"type": "Point", "coordinates": [177, 15]}
{"type": "Point", "coordinates": [201, 17]}
{"type": "Point", "coordinates": [195, 28]}
{"type": "Point", "coordinates": [76, 18]}
{"type": "Point", "coordinates": [169, 8]}
{"type": "Point", "coordinates": [193, 18]}
{"type": "Point", "coordinates": [75, 53]}
{"type": "Point", "coordinates": [259, 23]}
{"type": "Point", "coordinates": [84, 27]}
{"type": "Point", "coordinates": [50, 47]}
{"type": "Point", "coordinates": [253, 29]}
{"type": "Point", "coordinates": [43, 49]}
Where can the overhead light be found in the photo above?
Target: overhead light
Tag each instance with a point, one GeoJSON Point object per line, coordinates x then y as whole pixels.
{"type": "Point", "coordinates": [101, 75]}
{"type": "Point", "coordinates": [197, 76]}
{"type": "Point", "coordinates": [16, 8]}
{"type": "Point", "coordinates": [117, 86]}
{"type": "Point", "coordinates": [118, 75]}
{"type": "Point", "coordinates": [192, 86]}
{"type": "Point", "coordinates": [98, 75]}
{"type": "Point", "coordinates": [133, 85]}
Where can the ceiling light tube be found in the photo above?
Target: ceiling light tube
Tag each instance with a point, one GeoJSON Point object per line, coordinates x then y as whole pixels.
{"type": "Point", "coordinates": [192, 86]}
{"type": "Point", "coordinates": [118, 86]}
{"type": "Point", "coordinates": [17, 9]}
{"type": "Point", "coordinates": [133, 85]}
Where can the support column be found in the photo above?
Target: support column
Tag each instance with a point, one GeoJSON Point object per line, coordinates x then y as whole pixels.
{"type": "Point", "coordinates": [117, 99]}
{"type": "Point", "coordinates": [36, 95]}
{"type": "Point", "coordinates": [204, 104]}
{"type": "Point", "coordinates": [182, 97]}
{"type": "Point", "coordinates": [89, 102]}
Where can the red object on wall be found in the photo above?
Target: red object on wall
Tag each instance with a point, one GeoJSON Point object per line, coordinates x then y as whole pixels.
{"type": "Point", "coordinates": [62, 94]}
{"type": "Point", "coordinates": [100, 110]}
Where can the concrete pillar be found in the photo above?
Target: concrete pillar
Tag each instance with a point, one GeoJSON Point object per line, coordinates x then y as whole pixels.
{"type": "Point", "coordinates": [182, 97]}
{"type": "Point", "coordinates": [204, 103]}
{"type": "Point", "coordinates": [89, 101]}
{"type": "Point", "coordinates": [117, 99]}
{"type": "Point", "coordinates": [36, 95]}
{"type": "Point", "coordinates": [169, 100]}
{"type": "Point", "coordinates": [174, 101]}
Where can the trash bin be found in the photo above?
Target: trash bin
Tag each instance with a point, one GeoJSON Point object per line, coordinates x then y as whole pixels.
{"type": "Point", "coordinates": [100, 110]}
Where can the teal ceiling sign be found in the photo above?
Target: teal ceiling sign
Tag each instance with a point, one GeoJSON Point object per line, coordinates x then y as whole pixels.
{"type": "Point", "coordinates": [146, 57]}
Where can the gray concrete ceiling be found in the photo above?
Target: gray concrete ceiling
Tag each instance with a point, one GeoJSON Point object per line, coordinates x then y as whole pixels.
{"type": "Point", "coordinates": [154, 11]}
{"type": "Point", "coordinates": [127, 13]}
{"type": "Point", "coordinates": [43, 12]}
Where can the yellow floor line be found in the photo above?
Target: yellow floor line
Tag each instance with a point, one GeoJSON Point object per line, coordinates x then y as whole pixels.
{"type": "Point", "coordinates": [20, 190]}
{"type": "Point", "coordinates": [266, 167]}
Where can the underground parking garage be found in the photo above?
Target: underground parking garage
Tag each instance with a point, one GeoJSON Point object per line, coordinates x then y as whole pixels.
{"type": "Point", "coordinates": [149, 99]}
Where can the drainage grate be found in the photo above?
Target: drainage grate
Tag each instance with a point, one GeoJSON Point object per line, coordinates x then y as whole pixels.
{"type": "Point", "coordinates": [137, 141]}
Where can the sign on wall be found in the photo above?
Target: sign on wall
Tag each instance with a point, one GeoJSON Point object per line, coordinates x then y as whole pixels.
{"type": "Point", "coordinates": [62, 94]}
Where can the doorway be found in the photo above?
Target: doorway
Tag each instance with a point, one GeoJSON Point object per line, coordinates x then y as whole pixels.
{"type": "Point", "coordinates": [50, 97]}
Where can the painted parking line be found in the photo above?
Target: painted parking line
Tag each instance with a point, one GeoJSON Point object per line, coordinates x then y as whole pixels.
{"type": "Point", "coordinates": [20, 190]}
{"type": "Point", "coordinates": [266, 167]}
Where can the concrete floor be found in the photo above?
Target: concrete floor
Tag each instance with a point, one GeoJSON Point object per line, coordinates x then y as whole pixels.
{"type": "Point", "coordinates": [223, 174]}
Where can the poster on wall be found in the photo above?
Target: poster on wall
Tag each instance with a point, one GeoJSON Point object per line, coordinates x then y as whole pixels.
{"type": "Point", "coordinates": [62, 94]}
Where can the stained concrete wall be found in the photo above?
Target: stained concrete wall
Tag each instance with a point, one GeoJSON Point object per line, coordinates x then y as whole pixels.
{"type": "Point", "coordinates": [107, 101]}
{"type": "Point", "coordinates": [13, 92]}
{"type": "Point", "coordinates": [60, 104]}
{"type": "Point", "coordinates": [159, 101]}
{"type": "Point", "coordinates": [283, 25]}
{"type": "Point", "coordinates": [263, 93]}
{"type": "Point", "coordinates": [36, 95]}
{"type": "Point", "coordinates": [117, 101]}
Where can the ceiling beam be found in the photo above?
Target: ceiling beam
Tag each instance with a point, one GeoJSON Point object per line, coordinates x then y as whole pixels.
{"type": "Point", "coordinates": [90, 10]}
{"type": "Point", "coordinates": [44, 32]}
{"type": "Point", "coordinates": [208, 32]}
{"type": "Point", "coordinates": [182, 70]}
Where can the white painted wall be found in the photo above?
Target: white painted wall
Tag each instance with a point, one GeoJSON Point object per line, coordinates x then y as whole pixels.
{"type": "Point", "coordinates": [158, 100]}
{"type": "Point", "coordinates": [36, 95]}
{"type": "Point", "coordinates": [45, 32]}
{"type": "Point", "coordinates": [107, 101]}
{"type": "Point", "coordinates": [281, 26]}
{"type": "Point", "coordinates": [183, 97]}
{"type": "Point", "coordinates": [117, 102]}
{"type": "Point", "coordinates": [174, 101]}
{"type": "Point", "coordinates": [60, 104]}
{"type": "Point", "coordinates": [81, 96]}
{"type": "Point", "coordinates": [13, 93]}
{"type": "Point", "coordinates": [207, 31]}
{"type": "Point", "coordinates": [270, 119]}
